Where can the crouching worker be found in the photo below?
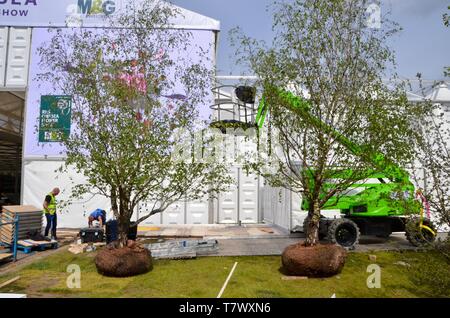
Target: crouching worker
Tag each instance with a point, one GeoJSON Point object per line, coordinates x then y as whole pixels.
{"type": "Point", "coordinates": [99, 216]}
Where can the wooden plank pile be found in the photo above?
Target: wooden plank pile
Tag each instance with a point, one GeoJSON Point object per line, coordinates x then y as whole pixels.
{"type": "Point", "coordinates": [5, 256]}
{"type": "Point", "coordinates": [27, 246]}
{"type": "Point", "coordinates": [30, 220]}
{"type": "Point", "coordinates": [9, 282]}
{"type": "Point", "coordinates": [31, 243]}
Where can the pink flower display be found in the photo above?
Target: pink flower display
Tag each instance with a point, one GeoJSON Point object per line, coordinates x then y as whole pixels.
{"type": "Point", "coordinates": [135, 80]}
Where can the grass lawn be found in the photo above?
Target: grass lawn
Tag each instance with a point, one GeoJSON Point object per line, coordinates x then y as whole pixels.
{"type": "Point", "coordinates": [204, 277]}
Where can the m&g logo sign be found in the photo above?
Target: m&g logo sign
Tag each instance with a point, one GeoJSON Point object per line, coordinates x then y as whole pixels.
{"type": "Point", "coordinates": [94, 7]}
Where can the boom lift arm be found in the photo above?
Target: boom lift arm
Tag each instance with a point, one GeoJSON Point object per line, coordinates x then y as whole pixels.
{"type": "Point", "coordinates": [302, 107]}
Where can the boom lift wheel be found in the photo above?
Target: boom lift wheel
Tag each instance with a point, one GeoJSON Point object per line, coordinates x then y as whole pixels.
{"type": "Point", "coordinates": [417, 235]}
{"type": "Point", "coordinates": [344, 232]}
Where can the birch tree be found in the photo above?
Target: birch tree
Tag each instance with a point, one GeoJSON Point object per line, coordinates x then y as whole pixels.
{"type": "Point", "coordinates": [136, 98]}
{"type": "Point", "coordinates": [335, 59]}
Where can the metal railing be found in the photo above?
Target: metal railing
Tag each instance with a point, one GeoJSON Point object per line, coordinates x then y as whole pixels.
{"type": "Point", "coordinates": [227, 102]}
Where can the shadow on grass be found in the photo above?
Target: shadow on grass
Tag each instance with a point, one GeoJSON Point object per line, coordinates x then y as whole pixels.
{"type": "Point", "coordinates": [283, 271]}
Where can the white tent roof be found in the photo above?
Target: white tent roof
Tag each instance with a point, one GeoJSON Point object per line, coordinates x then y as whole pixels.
{"type": "Point", "coordinates": [440, 93]}
{"type": "Point", "coordinates": [414, 97]}
{"type": "Point", "coordinates": [192, 20]}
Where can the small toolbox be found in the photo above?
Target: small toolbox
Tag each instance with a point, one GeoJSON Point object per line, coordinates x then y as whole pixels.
{"type": "Point", "coordinates": [92, 235]}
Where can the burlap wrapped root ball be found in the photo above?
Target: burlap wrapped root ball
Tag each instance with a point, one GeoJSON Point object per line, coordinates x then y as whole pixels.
{"type": "Point", "coordinates": [124, 262]}
{"type": "Point", "coordinates": [315, 261]}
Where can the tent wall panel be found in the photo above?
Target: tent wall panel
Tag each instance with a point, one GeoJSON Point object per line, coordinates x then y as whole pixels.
{"type": "Point", "coordinates": [40, 178]}
{"type": "Point", "coordinates": [275, 206]}
{"type": "Point", "coordinates": [197, 212]}
{"type": "Point", "coordinates": [3, 50]}
{"type": "Point", "coordinates": [18, 57]}
{"type": "Point", "coordinates": [228, 201]}
{"type": "Point", "coordinates": [175, 214]}
{"type": "Point", "coordinates": [154, 219]}
{"type": "Point", "coordinates": [298, 215]}
{"type": "Point", "coordinates": [248, 197]}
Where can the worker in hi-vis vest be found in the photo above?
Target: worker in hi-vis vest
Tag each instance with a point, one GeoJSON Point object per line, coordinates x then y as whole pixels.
{"type": "Point", "coordinates": [50, 212]}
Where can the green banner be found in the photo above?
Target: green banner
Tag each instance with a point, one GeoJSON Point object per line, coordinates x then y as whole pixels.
{"type": "Point", "coordinates": [55, 118]}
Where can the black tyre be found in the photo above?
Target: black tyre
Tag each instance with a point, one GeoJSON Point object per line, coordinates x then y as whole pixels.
{"type": "Point", "coordinates": [417, 236]}
{"type": "Point", "coordinates": [344, 232]}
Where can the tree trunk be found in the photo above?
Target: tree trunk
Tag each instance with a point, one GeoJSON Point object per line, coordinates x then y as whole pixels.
{"type": "Point", "coordinates": [114, 206]}
{"type": "Point", "coordinates": [125, 213]}
{"type": "Point", "coordinates": [312, 236]}
{"type": "Point", "coordinates": [124, 227]}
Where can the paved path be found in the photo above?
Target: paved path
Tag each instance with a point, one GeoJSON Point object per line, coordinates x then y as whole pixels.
{"type": "Point", "coordinates": [255, 240]}
{"type": "Point", "coordinates": [254, 247]}
{"type": "Point", "coordinates": [214, 231]}
{"type": "Point", "coordinates": [275, 246]}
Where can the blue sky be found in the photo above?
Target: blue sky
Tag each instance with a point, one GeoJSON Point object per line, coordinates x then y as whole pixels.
{"type": "Point", "coordinates": [423, 45]}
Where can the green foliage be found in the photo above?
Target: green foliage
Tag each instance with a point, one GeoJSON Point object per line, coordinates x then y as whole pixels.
{"type": "Point", "coordinates": [447, 18]}
{"type": "Point", "coordinates": [128, 139]}
{"type": "Point", "coordinates": [233, 125]}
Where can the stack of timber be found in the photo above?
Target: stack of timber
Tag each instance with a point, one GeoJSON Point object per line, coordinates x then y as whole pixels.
{"type": "Point", "coordinates": [5, 257]}
{"type": "Point", "coordinates": [27, 246]}
{"type": "Point", "coordinates": [30, 220]}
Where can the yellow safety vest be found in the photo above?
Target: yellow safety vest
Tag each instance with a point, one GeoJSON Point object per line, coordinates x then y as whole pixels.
{"type": "Point", "coordinates": [51, 206]}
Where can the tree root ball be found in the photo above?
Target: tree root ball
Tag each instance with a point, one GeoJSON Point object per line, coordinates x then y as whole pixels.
{"type": "Point", "coordinates": [123, 262]}
{"type": "Point", "coordinates": [316, 261]}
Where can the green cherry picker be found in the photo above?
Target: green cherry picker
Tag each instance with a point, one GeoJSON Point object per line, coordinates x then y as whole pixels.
{"type": "Point", "coordinates": [379, 205]}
